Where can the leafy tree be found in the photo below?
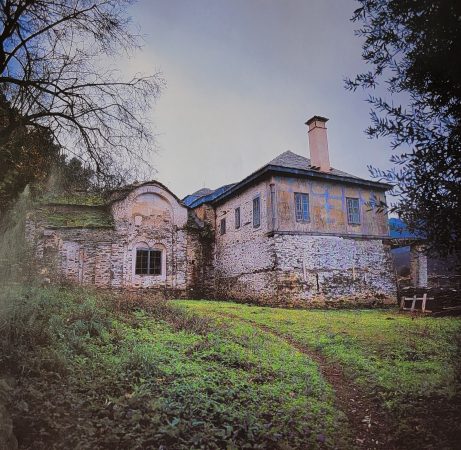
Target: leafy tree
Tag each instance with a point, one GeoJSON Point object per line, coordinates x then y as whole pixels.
{"type": "Point", "coordinates": [74, 175]}
{"type": "Point", "coordinates": [414, 48]}
{"type": "Point", "coordinates": [56, 78]}
{"type": "Point", "coordinates": [31, 157]}
{"type": "Point", "coordinates": [26, 157]}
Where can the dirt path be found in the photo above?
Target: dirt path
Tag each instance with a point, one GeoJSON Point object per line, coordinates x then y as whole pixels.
{"type": "Point", "coordinates": [367, 421]}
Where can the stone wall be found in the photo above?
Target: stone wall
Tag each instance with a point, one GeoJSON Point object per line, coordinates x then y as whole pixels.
{"type": "Point", "coordinates": [105, 258]}
{"type": "Point", "coordinates": [282, 262]}
{"type": "Point", "coordinates": [151, 217]}
{"type": "Point", "coordinates": [244, 256]}
{"type": "Point", "coordinates": [148, 217]}
{"type": "Point", "coordinates": [319, 270]}
{"type": "Point", "coordinates": [297, 270]}
{"type": "Point", "coordinates": [263, 264]}
{"type": "Point", "coordinates": [201, 248]}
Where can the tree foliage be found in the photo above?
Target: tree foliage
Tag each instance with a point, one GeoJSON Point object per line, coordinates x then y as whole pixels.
{"type": "Point", "coordinates": [413, 47]}
{"type": "Point", "coordinates": [31, 157]}
{"type": "Point", "coordinates": [25, 157]}
{"type": "Point", "coordinates": [56, 77]}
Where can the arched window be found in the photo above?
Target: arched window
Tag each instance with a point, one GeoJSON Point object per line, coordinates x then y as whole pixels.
{"type": "Point", "coordinates": [149, 261]}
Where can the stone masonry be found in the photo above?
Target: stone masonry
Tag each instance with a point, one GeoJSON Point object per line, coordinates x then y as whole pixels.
{"type": "Point", "coordinates": [325, 269]}
{"type": "Point", "coordinates": [244, 258]}
{"type": "Point", "coordinates": [278, 262]}
{"type": "Point", "coordinates": [283, 262]}
{"type": "Point", "coordinates": [105, 256]}
{"type": "Point", "coordinates": [307, 235]}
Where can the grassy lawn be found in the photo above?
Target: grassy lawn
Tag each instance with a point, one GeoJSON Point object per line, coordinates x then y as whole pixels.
{"type": "Point", "coordinates": [97, 376]}
{"type": "Point", "coordinates": [95, 372]}
{"type": "Point", "coordinates": [411, 365]}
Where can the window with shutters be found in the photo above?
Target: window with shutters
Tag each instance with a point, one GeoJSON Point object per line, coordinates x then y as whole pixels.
{"type": "Point", "coordinates": [353, 211]}
{"type": "Point", "coordinates": [302, 207]}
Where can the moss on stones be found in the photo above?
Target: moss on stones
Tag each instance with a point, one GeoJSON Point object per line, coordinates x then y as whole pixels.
{"type": "Point", "coordinates": [76, 217]}
{"type": "Point", "coordinates": [75, 198]}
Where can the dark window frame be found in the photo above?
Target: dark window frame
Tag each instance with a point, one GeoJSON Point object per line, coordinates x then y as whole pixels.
{"type": "Point", "coordinates": [302, 214]}
{"type": "Point", "coordinates": [222, 227]}
{"type": "Point", "coordinates": [237, 218]}
{"type": "Point", "coordinates": [353, 211]}
{"type": "Point", "coordinates": [149, 262]}
{"type": "Point", "coordinates": [257, 217]}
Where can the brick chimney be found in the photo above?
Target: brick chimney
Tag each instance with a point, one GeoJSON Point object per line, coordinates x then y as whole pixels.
{"type": "Point", "coordinates": [318, 143]}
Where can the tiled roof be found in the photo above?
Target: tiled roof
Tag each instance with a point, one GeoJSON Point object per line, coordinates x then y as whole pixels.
{"type": "Point", "coordinates": [293, 161]}
{"type": "Point", "coordinates": [202, 192]}
{"type": "Point", "coordinates": [200, 197]}
{"type": "Point", "coordinates": [287, 162]}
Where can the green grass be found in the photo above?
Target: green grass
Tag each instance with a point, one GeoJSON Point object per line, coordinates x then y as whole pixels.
{"type": "Point", "coordinates": [97, 372]}
{"type": "Point", "coordinates": [76, 198]}
{"type": "Point", "coordinates": [411, 364]}
{"type": "Point", "coordinates": [155, 375]}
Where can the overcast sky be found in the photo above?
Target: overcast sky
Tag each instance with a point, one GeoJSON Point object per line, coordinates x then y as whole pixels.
{"type": "Point", "coordinates": [242, 78]}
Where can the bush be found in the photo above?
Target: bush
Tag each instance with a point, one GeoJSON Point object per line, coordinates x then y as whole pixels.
{"type": "Point", "coordinates": [44, 327]}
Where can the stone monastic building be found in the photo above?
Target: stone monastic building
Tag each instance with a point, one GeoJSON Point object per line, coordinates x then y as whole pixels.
{"type": "Point", "coordinates": [296, 232]}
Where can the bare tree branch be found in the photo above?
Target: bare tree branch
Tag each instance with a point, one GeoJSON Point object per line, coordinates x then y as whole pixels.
{"type": "Point", "coordinates": [50, 74]}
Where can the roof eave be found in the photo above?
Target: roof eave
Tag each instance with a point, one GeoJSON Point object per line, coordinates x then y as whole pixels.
{"type": "Point", "coordinates": [333, 177]}
{"type": "Point", "coordinates": [306, 173]}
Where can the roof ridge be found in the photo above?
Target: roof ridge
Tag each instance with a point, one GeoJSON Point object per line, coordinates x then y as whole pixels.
{"type": "Point", "coordinates": [332, 171]}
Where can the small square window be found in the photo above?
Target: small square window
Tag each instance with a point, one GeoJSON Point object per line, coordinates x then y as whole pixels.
{"type": "Point", "coordinates": [256, 212]}
{"type": "Point", "coordinates": [237, 218]}
{"type": "Point", "coordinates": [353, 211]}
{"type": "Point", "coordinates": [302, 207]}
{"type": "Point", "coordinates": [223, 226]}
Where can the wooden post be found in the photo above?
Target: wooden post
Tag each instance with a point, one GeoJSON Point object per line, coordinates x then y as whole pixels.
{"type": "Point", "coordinates": [413, 303]}
{"type": "Point", "coordinates": [423, 306]}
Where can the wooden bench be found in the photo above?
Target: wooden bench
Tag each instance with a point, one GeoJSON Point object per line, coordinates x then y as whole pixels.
{"type": "Point", "coordinates": [413, 300]}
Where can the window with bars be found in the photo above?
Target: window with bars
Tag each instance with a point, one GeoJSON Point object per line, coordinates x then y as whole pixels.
{"type": "Point", "coordinates": [353, 211]}
{"type": "Point", "coordinates": [223, 226]}
{"type": "Point", "coordinates": [256, 212]}
{"type": "Point", "coordinates": [148, 262]}
{"type": "Point", "coordinates": [302, 207]}
{"type": "Point", "coordinates": [237, 218]}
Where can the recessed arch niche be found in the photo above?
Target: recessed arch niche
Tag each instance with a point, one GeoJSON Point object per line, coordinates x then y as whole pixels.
{"type": "Point", "coordinates": [151, 204]}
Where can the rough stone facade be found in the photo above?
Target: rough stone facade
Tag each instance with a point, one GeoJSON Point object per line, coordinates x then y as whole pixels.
{"type": "Point", "coordinates": [149, 217]}
{"type": "Point", "coordinates": [326, 269]}
{"type": "Point", "coordinates": [277, 260]}
{"type": "Point", "coordinates": [244, 257]}
{"type": "Point", "coordinates": [323, 261]}
{"type": "Point", "coordinates": [296, 232]}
